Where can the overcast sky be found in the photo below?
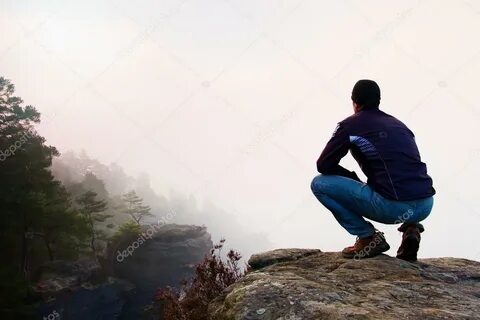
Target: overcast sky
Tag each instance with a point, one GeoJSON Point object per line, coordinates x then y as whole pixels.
{"type": "Point", "coordinates": [233, 100]}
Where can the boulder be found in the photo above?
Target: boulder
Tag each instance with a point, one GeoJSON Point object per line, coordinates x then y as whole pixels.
{"type": "Point", "coordinates": [295, 284]}
{"type": "Point", "coordinates": [264, 259]}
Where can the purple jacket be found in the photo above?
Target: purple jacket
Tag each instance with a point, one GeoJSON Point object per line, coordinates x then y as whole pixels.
{"type": "Point", "coordinates": [386, 151]}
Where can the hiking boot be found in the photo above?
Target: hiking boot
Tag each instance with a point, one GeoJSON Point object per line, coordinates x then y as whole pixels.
{"type": "Point", "coordinates": [410, 241]}
{"type": "Point", "coordinates": [367, 247]}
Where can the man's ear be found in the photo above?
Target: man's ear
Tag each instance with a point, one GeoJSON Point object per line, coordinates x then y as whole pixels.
{"type": "Point", "coordinates": [356, 108]}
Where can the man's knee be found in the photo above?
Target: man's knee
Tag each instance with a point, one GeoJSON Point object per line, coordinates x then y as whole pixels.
{"type": "Point", "coordinates": [318, 184]}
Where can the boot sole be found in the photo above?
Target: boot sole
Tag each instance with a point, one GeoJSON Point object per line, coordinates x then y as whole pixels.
{"type": "Point", "coordinates": [411, 245]}
{"type": "Point", "coordinates": [381, 248]}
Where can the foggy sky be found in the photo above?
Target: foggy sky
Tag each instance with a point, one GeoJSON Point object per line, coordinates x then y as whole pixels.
{"type": "Point", "coordinates": [232, 101]}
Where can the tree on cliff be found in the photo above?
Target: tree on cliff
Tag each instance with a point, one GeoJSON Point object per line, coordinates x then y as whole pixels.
{"type": "Point", "coordinates": [134, 207]}
{"type": "Point", "coordinates": [90, 182]}
{"type": "Point", "coordinates": [93, 211]}
{"type": "Point", "coordinates": [33, 205]}
{"type": "Point", "coordinates": [29, 194]}
{"type": "Point", "coordinates": [61, 227]}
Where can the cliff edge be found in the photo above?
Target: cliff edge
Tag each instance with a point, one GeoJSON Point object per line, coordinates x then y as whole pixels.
{"type": "Point", "coordinates": [294, 284]}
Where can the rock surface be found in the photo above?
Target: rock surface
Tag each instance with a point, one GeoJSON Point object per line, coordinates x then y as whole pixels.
{"type": "Point", "coordinates": [121, 290]}
{"type": "Point", "coordinates": [79, 290]}
{"type": "Point", "coordinates": [294, 284]}
{"type": "Point", "coordinates": [166, 258]}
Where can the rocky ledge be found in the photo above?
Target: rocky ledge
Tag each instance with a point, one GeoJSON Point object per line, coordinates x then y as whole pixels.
{"type": "Point", "coordinates": [123, 288]}
{"type": "Point", "coordinates": [294, 284]}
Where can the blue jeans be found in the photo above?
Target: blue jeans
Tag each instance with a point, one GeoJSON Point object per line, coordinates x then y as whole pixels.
{"type": "Point", "coordinates": [351, 201]}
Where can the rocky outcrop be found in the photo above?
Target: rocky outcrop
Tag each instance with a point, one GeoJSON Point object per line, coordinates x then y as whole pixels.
{"type": "Point", "coordinates": [294, 284]}
{"type": "Point", "coordinates": [166, 255]}
{"type": "Point", "coordinates": [57, 276]}
{"type": "Point", "coordinates": [164, 259]}
{"type": "Point", "coordinates": [124, 286]}
{"type": "Point", "coordinates": [79, 290]}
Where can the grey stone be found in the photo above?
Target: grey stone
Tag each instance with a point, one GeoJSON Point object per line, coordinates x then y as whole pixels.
{"type": "Point", "coordinates": [303, 284]}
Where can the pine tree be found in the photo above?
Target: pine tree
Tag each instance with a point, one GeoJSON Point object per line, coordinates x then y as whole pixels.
{"type": "Point", "coordinates": [33, 205]}
{"type": "Point", "coordinates": [61, 226]}
{"type": "Point", "coordinates": [27, 184]}
{"type": "Point", "coordinates": [134, 207]}
{"type": "Point", "coordinates": [93, 211]}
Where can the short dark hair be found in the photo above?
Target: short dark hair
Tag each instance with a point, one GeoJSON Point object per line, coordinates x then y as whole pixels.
{"type": "Point", "coordinates": [366, 93]}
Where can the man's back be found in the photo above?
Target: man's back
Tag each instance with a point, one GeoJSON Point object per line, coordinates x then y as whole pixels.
{"type": "Point", "coordinates": [386, 152]}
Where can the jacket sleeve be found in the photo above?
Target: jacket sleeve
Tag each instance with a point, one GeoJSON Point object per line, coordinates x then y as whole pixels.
{"type": "Point", "coordinates": [336, 148]}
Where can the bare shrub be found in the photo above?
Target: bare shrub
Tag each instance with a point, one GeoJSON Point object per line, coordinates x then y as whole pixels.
{"type": "Point", "coordinates": [211, 277]}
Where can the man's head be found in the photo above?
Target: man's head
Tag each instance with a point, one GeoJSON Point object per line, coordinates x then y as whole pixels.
{"type": "Point", "coordinates": [365, 95]}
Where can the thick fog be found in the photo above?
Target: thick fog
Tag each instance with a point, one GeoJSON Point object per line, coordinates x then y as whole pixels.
{"type": "Point", "coordinates": [229, 103]}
